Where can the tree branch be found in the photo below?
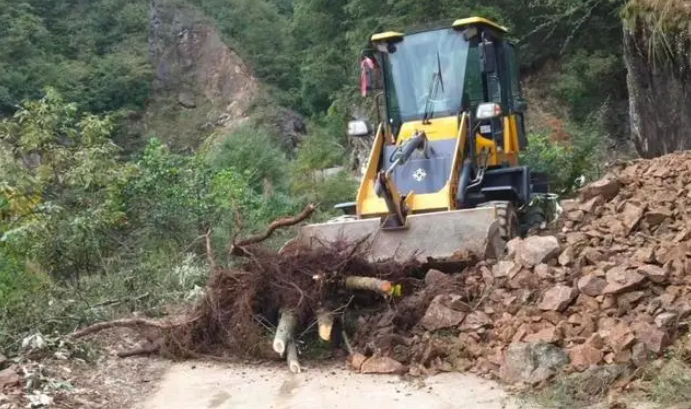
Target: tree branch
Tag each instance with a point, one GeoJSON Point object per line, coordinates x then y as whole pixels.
{"type": "Point", "coordinates": [236, 248]}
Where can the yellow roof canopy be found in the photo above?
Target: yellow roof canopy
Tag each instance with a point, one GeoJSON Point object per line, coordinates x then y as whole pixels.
{"type": "Point", "coordinates": [478, 21]}
{"type": "Point", "coordinates": [464, 22]}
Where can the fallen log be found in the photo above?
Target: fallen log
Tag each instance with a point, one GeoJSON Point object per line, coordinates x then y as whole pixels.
{"type": "Point", "coordinates": [369, 283]}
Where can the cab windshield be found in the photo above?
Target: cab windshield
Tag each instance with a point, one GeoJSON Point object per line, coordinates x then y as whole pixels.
{"type": "Point", "coordinates": [425, 74]}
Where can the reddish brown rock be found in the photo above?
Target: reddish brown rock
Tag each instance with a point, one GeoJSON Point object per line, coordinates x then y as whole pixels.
{"type": "Point", "coordinates": [550, 335]}
{"type": "Point", "coordinates": [9, 377]}
{"type": "Point", "coordinates": [356, 361]}
{"type": "Point", "coordinates": [584, 356]}
{"type": "Point", "coordinates": [623, 356]}
{"type": "Point", "coordinates": [538, 249]}
{"type": "Point", "coordinates": [631, 215]}
{"type": "Point", "coordinates": [592, 204]}
{"type": "Point", "coordinates": [475, 321]}
{"type": "Point", "coordinates": [653, 273]}
{"type": "Point", "coordinates": [654, 339]}
{"type": "Point", "coordinates": [592, 256]}
{"type": "Point", "coordinates": [524, 279]}
{"type": "Point", "coordinates": [607, 188]}
{"type": "Point", "coordinates": [587, 302]}
{"type": "Point", "coordinates": [567, 257]}
{"type": "Point", "coordinates": [382, 365]}
{"type": "Point", "coordinates": [437, 278]}
{"type": "Point", "coordinates": [445, 311]}
{"type": "Point", "coordinates": [558, 298]}
{"type": "Point", "coordinates": [591, 285]}
{"type": "Point", "coordinates": [505, 268]}
{"type": "Point", "coordinates": [544, 272]}
{"type": "Point", "coordinates": [619, 280]}
{"type": "Point", "coordinates": [620, 337]}
{"type": "Point", "coordinates": [657, 216]}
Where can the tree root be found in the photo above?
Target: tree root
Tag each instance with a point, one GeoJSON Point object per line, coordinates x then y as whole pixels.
{"type": "Point", "coordinates": [145, 350]}
{"type": "Point", "coordinates": [123, 323]}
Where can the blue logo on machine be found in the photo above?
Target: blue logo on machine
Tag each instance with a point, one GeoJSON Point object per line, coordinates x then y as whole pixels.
{"type": "Point", "coordinates": [419, 175]}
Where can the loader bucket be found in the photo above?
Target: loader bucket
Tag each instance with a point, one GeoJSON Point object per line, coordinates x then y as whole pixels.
{"type": "Point", "coordinates": [429, 237]}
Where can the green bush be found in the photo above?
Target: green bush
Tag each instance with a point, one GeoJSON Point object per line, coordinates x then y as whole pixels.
{"type": "Point", "coordinates": [564, 161]}
{"type": "Point", "coordinates": [253, 150]}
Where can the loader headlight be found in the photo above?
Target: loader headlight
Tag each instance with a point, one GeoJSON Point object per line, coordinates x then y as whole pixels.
{"type": "Point", "coordinates": [488, 110]}
{"type": "Point", "coordinates": [358, 129]}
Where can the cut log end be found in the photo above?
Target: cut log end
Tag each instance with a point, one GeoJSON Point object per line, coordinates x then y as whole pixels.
{"type": "Point", "coordinates": [325, 320]}
{"type": "Point", "coordinates": [284, 331]}
{"type": "Point", "coordinates": [292, 358]}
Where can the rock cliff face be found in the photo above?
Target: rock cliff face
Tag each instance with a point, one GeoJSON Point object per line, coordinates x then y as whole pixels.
{"type": "Point", "coordinates": [202, 82]}
{"type": "Point", "coordinates": [657, 44]}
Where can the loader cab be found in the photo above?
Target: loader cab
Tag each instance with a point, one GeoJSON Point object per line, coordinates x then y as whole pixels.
{"type": "Point", "coordinates": [429, 78]}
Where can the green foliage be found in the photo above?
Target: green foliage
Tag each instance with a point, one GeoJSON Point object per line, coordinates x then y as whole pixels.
{"type": "Point", "coordinates": [73, 190]}
{"type": "Point", "coordinates": [319, 151]}
{"type": "Point", "coordinates": [580, 84]}
{"type": "Point", "coordinates": [253, 150]}
{"type": "Point", "coordinates": [563, 162]}
{"type": "Point", "coordinates": [94, 52]}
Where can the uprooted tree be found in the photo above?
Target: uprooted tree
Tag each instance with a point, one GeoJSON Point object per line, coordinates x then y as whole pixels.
{"type": "Point", "coordinates": [262, 307]}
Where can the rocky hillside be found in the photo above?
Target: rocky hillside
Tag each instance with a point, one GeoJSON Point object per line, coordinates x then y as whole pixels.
{"type": "Point", "coordinates": [194, 66]}
{"type": "Point", "coordinates": [657, 39]}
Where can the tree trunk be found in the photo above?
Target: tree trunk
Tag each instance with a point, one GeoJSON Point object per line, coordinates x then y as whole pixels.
{"type": "Point", "coordinates": [658, 84]}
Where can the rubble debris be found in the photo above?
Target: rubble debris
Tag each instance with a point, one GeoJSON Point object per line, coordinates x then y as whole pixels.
{"type": "Point", "coordinates": [610, 287]}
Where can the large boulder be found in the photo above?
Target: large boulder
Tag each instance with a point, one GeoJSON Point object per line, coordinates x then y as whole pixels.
{"type": "Point", "coordinates": [445, 311]}
{"type": "Point", "coordinates": [531, 362]}
{"type": "Point", "coordinates": [535, 250]}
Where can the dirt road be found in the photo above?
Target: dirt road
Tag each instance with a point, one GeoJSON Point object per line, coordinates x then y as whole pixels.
{"type": "Point", "coordinates": [211, 386]}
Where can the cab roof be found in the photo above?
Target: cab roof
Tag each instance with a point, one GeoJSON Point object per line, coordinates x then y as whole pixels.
{"type": "Point", "coordinates": [458, 24]}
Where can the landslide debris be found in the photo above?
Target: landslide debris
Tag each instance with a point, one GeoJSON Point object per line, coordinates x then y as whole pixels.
{"type": "Point", "coordinates": [610, 288]}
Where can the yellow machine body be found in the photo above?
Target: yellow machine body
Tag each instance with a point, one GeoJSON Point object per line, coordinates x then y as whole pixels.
{"type": "Point", "coordinates": [464, 175]}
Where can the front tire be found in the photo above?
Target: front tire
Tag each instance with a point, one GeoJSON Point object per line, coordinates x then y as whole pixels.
{"type": "Point", "coordinates": [509, 225]}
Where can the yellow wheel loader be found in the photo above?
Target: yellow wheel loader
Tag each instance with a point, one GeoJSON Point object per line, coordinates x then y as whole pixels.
{"type": "Point", "coordinates": [443, 176]}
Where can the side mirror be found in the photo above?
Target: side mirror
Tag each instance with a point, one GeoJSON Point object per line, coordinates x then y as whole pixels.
{"type": "Point", "coordinates": [366, 75]}
{"type": "Point", "coordinates": [488, 110]}
{"type": "Point", "coordinates": [488, 57]}
{"type": "Point", "coordinates": [358, 129]}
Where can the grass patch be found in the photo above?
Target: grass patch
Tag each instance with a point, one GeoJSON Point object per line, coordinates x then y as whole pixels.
{"type": "Point", "coordinates": [668, 384]}
{"type": "Point", "coordinates": [578, 390]}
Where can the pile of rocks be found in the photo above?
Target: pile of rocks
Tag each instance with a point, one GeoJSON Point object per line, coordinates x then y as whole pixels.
{"type": "Point", "coordinates": [611, 287]}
